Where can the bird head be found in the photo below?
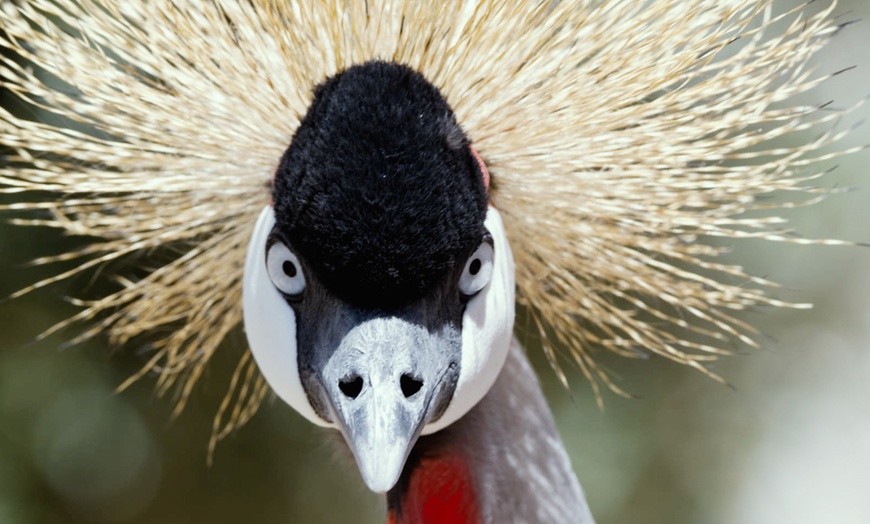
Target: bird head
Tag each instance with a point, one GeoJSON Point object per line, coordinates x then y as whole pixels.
{"type": "Point", "coordinates": [379, 285]}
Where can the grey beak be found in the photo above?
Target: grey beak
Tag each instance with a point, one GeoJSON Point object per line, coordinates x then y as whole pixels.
{"type": "Point", "coordinates": [381, 428]}
{"type": "Point", "coordinates": [386, 381]}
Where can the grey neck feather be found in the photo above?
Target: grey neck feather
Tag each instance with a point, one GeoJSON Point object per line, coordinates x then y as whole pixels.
{"type": "Point", "coordinates": [519, 464]}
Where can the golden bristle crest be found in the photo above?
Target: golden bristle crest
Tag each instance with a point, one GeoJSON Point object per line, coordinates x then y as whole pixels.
{"type": "Point", "coordinates": [620, 135]}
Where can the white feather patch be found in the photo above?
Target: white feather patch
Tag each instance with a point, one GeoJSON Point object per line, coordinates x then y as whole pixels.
{"type": "Point", "coordinates": [270, 325]}
{"type": "Point", "coordinates": [487, 328]}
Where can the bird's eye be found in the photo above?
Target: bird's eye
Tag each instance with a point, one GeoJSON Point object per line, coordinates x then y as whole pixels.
{"type": "Point", "coordinates": [478, 270]}
{"type": "Point", "coordinates": [284, 269]}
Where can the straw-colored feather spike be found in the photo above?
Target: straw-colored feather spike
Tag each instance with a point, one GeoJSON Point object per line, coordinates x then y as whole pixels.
{"type": "Point", "coordinates": [621, 135]}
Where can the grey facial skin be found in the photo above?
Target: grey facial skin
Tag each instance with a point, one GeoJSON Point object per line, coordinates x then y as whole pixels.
{"type": "Point", "coordinates": [381, 376]}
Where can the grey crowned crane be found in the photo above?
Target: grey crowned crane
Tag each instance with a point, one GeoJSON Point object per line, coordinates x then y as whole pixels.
{"type": "Point", "coordinates": [370, 260]}
{"type": "Point", "coordinates": [379, 300]}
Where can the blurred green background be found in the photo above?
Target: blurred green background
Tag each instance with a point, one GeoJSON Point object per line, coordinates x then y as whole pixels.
{"type": "Point", "coordinates": [789, 443]}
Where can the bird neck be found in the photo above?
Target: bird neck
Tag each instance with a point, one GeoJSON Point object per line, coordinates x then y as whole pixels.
{"type": "Point", "coordinates": [439, 489]}
{"type": "Point", "coordinates": [502, 462]}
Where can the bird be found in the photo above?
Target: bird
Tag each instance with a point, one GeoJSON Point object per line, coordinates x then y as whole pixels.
{"type": "Point", "coordinates": [372, 188]}
{"type": "Point", "coordinates": [381, 279]}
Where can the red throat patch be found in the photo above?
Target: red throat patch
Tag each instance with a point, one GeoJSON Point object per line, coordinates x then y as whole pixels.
{"type": "Point", "coordinates": [440, 491]}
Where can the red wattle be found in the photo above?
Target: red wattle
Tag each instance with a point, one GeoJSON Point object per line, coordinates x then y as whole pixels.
{"type": "Point", "coordinates": [440, 491]}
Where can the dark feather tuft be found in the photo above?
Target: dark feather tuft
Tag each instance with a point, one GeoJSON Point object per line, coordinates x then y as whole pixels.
{"type": "Point", "coordinates": [378, 191]}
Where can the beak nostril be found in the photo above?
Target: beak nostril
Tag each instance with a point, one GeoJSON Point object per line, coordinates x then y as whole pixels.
{"type": "Point", "coordinates": [410, 385]}
{"type": "Point", "coordinates": [351, 386]}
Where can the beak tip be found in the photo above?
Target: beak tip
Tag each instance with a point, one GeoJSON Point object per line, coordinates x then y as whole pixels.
{"type": "Point", "coordinates": [381, 471]}
{"type": "Point", "coordinates": [380, 485]}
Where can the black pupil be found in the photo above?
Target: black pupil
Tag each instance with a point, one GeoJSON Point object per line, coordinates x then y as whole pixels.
{"type": "Point", "coordinates": [474, 268]}
{"type": "Point", "coordinates": [289, 268]}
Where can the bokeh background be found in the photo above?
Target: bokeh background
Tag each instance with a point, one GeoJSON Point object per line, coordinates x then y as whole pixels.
{"type": "Point", "coordinates": [789, 442]}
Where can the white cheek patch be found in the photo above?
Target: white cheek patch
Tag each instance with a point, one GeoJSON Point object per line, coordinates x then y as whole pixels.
{"type": "Point", "coordinates": [270, 324]}
{"type": "Point", "coordinates": [487, 329]}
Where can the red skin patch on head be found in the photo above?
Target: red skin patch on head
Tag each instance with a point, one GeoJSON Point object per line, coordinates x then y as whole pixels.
{"type": "Point", "coordinates": [483, 170]}
{"type": "Point", "coordinates": [440, 491]}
